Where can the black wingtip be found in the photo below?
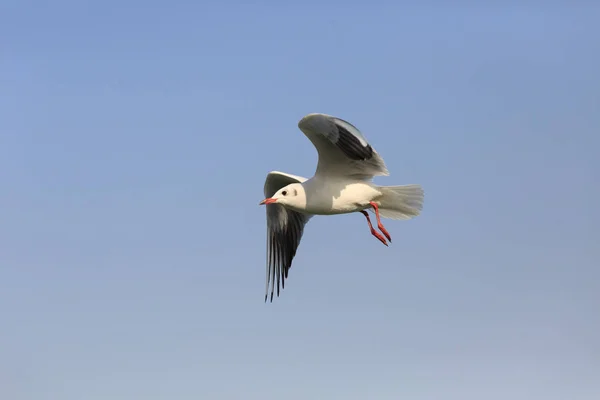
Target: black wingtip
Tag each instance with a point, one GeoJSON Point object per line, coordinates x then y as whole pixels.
{"type": "Point", "coordinates": [352, 147]}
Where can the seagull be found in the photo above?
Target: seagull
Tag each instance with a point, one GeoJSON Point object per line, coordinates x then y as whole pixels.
{"type": "Point", "coordinates": [341, 184]}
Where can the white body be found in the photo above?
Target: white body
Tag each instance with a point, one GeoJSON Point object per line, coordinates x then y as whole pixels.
{"type": "Point", "coordinates": [331, 196]}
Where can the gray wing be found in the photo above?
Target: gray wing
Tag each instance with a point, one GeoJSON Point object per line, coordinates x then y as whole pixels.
{"type": "Point", "coordinates": [343, 150]}
{"type": "Point", "coordinates": [284, 232]}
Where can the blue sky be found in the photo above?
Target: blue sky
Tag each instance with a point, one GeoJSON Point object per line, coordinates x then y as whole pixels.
{"type": "Point", "coordinates": [134, 142]}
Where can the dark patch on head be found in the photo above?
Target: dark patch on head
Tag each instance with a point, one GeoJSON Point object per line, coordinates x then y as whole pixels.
{"type": "Point", "coordinates": [351, 145]}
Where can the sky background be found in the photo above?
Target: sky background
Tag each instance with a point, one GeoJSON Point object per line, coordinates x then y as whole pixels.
{"type": "Point", "coordinates": [135, 137]}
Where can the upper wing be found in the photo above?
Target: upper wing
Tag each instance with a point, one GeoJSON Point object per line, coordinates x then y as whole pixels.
{"type": "Point", "coordinates": [284, 231]}
{"type": "Point", "coordinates": [343, 150]}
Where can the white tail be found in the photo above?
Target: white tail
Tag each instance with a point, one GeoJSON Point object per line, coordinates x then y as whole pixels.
{"type": "Point", "coordinates": [401, 202]}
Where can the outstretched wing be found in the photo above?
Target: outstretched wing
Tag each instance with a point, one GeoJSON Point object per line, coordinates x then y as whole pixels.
{"type": "Point", "coordinates": [284, 232]}
{"type": "Point", "coordinates": [343, 150]}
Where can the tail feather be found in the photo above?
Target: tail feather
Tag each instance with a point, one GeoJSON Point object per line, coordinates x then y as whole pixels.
{"type": "Point", "coordinates": [401, 202]}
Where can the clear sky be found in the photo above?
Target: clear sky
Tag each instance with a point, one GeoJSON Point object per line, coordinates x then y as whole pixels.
{"type": "Point", "coordinates": [135, 137]}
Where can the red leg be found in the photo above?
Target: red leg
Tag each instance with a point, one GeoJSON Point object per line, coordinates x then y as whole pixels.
{"type": "Point", "coordinates": [379, 224]}
{"type": "Point", "coordinates": [373, 231]}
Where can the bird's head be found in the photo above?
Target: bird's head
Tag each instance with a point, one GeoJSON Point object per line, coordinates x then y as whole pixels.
{"type": "Point", "coordinates": [292, 196]}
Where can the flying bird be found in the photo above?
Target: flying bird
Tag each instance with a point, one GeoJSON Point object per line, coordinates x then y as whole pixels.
{"type": "Point", "coordinates": [341, 184]}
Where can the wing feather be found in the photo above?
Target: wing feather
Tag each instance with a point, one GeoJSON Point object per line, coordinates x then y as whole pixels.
{"type": "Point", "coordinates": [342, 148]}
{"type": "Point", "coordinates": [284, 233]}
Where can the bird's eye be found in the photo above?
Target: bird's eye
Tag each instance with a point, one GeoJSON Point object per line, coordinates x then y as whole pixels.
{"type": "Point", "coordinates": [284, 192]}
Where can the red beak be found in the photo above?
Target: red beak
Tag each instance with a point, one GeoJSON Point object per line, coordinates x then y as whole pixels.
{"type": "Point", "coordinates": [267, 201]}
